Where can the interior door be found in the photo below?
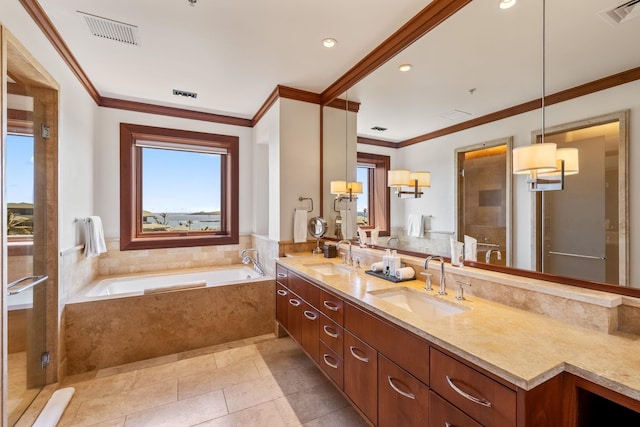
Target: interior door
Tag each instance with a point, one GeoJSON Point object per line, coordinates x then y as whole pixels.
{"type": "Point", "coordinates": [25, 207]}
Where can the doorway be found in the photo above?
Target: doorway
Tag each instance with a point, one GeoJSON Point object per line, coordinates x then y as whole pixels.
{"type": "Point", "coordinates": [29, 178]}
{"type": "Point", "coordinates": [582, 230]}
{"type": "Point", "coordinates": [483, 208]}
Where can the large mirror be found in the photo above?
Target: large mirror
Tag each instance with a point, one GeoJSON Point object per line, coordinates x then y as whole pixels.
{"type": "Point", "coordinates": [462, 77]}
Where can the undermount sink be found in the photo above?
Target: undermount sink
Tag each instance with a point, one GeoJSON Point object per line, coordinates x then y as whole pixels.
{"type": "Point", "coordinates": [417, 302]}
{"type": "Point", "coordinates": [328, 268]}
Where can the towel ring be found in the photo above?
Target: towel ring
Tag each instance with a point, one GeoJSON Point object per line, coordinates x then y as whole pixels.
{"type": "Point", "coordinates": [307, 198]}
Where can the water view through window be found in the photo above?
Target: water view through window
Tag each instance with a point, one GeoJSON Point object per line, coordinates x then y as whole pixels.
{"type": "Point", "coordinates": [19, 184]}
{"type": "Point", "coordinates": [181, 191]}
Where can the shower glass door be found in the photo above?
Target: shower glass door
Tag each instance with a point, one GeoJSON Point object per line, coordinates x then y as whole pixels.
{"type": "Point", "coordinates": [25, 209]}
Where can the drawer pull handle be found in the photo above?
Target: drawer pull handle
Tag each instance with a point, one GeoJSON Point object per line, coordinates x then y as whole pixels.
{"type": "Point", "coordinates": [474, 399]}
{"type": "Point", "coordinates": [360, 358]}
{"type": "Point", "coordinates": [294, 302]}
{"type": "Point", "coordinates": [325, 357]}
{"type": "Point", "coordinates": [397, 390]}
{"type": "Point", "coordinates": [310, 315]}
{"type": "Point", "coordinates": [327, 330]}
{"type": "Point", "coordinates": [282, 275]}
{"type": "Point", "coordinates": [282, 292]}
{"type": "Point", "coordinates": [331, 306]}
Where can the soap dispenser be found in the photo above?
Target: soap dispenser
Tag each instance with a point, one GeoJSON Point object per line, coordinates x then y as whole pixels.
{"type": "Point", "coordinates": [385, 262]}
{"type": "Point", "coordinates": [394, 262]}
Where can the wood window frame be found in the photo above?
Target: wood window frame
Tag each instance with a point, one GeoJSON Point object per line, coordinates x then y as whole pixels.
{"type": "Point", "coordinates": [379, 194]}
{"type": "Point", "coordinates": [131, 235]}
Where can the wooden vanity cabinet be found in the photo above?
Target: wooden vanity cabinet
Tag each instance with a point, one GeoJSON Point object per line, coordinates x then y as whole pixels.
{"type": "Point", "coordinates": [309, 321]}
{"type": "Point", "coordinates": [361, 375]}
{"type": "Point", "coordinates": [331, 364]}
{"type": "Point", "coordinates": [282, 305]}
{"type": "Point", "coordinates": [402, 399]}
{"type": "Point", "coordinates": [331, 334]}
{"type": "Point", "coordinates": [442, 413]}
{"type": "Point", "coordinates": [487, 401]}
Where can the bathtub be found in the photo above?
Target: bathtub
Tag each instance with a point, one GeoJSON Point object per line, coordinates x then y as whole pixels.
{"type": "Point", "coordinates": [125, 319]}
{"type": "Point", "coordinates": [165, 282]}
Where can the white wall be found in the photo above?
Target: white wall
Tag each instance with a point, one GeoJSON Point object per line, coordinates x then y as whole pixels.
{"type": "Point", "coordinates": [299, 169]}
{"type": "Point", "coordinates": [107, 161]}
{"type": "Point", "coordinates": [76, 122]}
{"type": "Point", "coordinates": [267, 132]}
{"type": "Point", "coordinates": [438, 156]}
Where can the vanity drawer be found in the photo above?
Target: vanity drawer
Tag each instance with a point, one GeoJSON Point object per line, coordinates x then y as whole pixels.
{"type": "Point", "coordinates": [332, 306]}
{"type": "Point", "coordinates": [404, 349]}
{"type": "Point", "coordinates": [484, 399]}
{"type": "Point", "coordinates": [442, 413]}
{"type": "Point", "coordinates": [331, 334]}
{"type": "Point", "coordinates": [331, 364]}
{"type": "Point", "coordinates": [305, 289]}
{"type": "Point", "coordinates": [281, 275]}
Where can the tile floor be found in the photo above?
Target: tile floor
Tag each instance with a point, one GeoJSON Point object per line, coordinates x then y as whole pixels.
{"type": "Point", "coordinates": [262, 381]}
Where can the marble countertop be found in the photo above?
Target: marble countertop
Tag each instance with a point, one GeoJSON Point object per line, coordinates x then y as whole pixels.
{"type": "Point", "coordinates": [521, 347]}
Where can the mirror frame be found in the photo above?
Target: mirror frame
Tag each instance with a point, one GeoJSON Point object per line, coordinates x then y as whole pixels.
{"type": "Point", "coordinates": [430, 17]}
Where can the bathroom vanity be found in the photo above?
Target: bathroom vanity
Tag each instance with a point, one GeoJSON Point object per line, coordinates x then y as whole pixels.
{"type": "Point", "coordinates": [400, 361]}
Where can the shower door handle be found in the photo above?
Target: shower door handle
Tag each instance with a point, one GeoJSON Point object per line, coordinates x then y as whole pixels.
{"type": "Point", "coordinates": [35, 281]}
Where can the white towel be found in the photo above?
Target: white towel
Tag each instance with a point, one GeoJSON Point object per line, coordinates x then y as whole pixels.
{"type": "Point", "coordinates": [470, 248]}
{"type": "Point", "coordinates": [94, 237]}
{"type": "Point", "coordinates": [377, 266]}
{"type": "Point", "coordinates": [415, 225]}
{"type": "Point", "coordinates": [405, 273]}
{"type": "Point", "coordinates": [300, 226]}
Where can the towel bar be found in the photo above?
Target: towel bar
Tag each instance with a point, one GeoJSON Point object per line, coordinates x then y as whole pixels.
{"type": "Point", "coordinates": [307, 198]}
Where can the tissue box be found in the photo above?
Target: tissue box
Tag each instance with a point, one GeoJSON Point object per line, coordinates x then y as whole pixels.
{"type": "Point", "coordinates": [330, 251]}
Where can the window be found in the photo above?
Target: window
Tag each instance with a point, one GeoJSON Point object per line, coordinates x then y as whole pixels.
{"type": "Point", "coordinates": [177, 188]}
{"type": "Point", "coordinates": [374, 204]}
{"type": "Point", "coordinates": [19, 187]}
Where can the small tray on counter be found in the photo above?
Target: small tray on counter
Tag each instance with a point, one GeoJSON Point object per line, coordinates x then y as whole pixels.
{"type": "Point", "coordinates": [381, 275]}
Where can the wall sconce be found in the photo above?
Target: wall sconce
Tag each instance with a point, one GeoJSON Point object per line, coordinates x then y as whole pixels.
{"type": "Point", "coordinates": [346, 190]}
{"type": "Point", "coordinates": [546, 165]}
{"type": "Point", "coordinates": [399, 178]}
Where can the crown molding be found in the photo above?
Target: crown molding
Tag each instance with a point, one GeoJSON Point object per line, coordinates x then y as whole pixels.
{"type": "Point", "coordinates": [427, 19]}
{"type": "Point", "coordinates": [377, 142]}
{"type": "Point", "coordinates": [555, 98]}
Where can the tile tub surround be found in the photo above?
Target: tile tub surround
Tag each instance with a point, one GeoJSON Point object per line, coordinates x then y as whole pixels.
{"type": "Point", "coordinates": [111, 332]}
{"type": "Point", "coordinates": [523, 348]}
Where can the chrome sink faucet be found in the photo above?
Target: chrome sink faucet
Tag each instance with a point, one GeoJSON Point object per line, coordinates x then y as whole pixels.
{"type": "Point", "coordinates": [487, 257]}
{"type": "Point", "coordinates": [349, 259]}
{"type": "Point", "coordinates": [443, 284]}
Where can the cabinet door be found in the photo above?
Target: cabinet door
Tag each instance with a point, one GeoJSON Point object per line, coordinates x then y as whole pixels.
{"type": "Point", "coordinates": [282, 275]}
{"type": "Point", "coordinates": [361, 375]}
{"type": "Point", "coordinates": [444, 414]}
{"type": "Point", "coordinates": [294, 316]}
{"type": "Point", "coordinates": [331, 364]}
{"type": "Point", "coordinates": [282, 306]}
{"type": "Point", "coordinates": [309, 338]}
{"type": "Point", "coordinates": [402, 399]}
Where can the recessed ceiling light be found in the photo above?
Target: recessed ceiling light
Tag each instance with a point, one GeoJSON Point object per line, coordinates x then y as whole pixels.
{"type": "Point", "coordinates": [506, 4]}
{"type": "Point", "coordinates": [405, 67]}
{"type": "Point", "coordinates": [329, 42]}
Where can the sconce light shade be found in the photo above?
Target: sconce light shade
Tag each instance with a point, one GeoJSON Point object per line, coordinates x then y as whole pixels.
{"type": "Point", "coordinates": [398, 178]}
{"type": "Point", "coordinates": [539, 158]}
{"type": "Point", "coordinates": [355, 187]}
{"type": "Point", "coordinates": [423, 178]}
{"type": "Point", "coordinates": [338, 187]}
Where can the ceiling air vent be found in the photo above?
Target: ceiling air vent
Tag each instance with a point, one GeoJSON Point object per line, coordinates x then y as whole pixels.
{"type": "Point", "coordinates": [185, 93]}
{"type": "Point", "coordinates": [622, 13]}
{"type": "Point", "coordinates": [378, 128]}
{"type": "Point", "coordinates": [111, 30]}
